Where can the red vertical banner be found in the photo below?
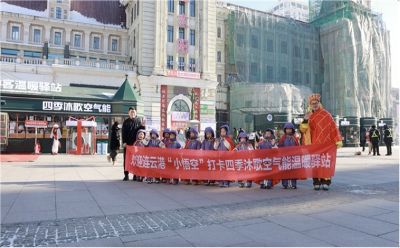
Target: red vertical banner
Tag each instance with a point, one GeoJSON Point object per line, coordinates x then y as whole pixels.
{"type": "Point", "coordinates": [197, 105]}
{"type": "Point", "coordinates": [164, 106]}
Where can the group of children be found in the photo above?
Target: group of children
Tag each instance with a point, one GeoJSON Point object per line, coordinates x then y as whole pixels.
{"type": "Point", "coordinates": [223, 143]}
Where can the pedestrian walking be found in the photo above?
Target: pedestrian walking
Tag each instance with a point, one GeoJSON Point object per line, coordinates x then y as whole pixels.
{"type": "Point", "coordinates": [114, 143]}
{"type": "Point", "coordinates": [388, 139]}
{"type": "Point", "coordinates": [319, 128]}
{"type": "Point", "coordinates": [375, 137]}
{"type": "Point", "coordinates": [56, 136]}
{"type": "Point", "coordinates": [363, 138]}
{"type": "Point", "coordinates": [130, 128]}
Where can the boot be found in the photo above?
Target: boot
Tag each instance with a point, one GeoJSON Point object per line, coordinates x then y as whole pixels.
{"type": "Point", "coordinates": [241, 184]}
{"type": "Point", "coordinates": [126, 178]}
{"type": "Point", "coordinates": [317, 187]}
{"type": "Point", "coordinates": [325, 187]}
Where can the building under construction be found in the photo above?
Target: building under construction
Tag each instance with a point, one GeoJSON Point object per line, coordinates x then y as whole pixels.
{"type": "Point", "coordinates": [273, 63]}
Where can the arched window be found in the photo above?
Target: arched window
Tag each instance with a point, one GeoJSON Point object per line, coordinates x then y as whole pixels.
{"type": "Point", "coordinates": [180, 106]}
{"type": "Point", "coordinates": [397, 96]}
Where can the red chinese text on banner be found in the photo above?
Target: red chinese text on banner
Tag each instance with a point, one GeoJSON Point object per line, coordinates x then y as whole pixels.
{"type": "Point", "coordinates": [313, 161]}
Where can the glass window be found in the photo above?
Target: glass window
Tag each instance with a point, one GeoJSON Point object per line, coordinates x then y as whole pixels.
{"type": "Point", "coordinates": [65, 11]}
{"type": "Point", "coordinates": [192, 65]}
{"type": "Point", "coordinates": [307, 53]}
{"type": "Point", "coordinates": [93, 59]}
{"type": "Point", "coordinates": [17, 127]}
{"type": "Point", "coordinates": [102, 127]}
{"type": "Point", "coordinates": [219, 56]}
{"type": "Point", "coordinates": [352, 134]}
{"type": "Point", "coordinates": [52, 56]}
{"type": "Point", "coordinates": [137, 8]}
{"type": "Point", "coordinates": [296, 51]}
{"type": "Point", "coordinates": [240, 67]}
{"type": "Point", "coordinates": [31, 54]}
{"type": "Point", "coordinates": [192, 7]}
{"type": "Point", "coordinates": [284, 47]}
{"type": "Point", "coordinates": [51, 15]}
{"type": "Point", "coordinates": [77, 40]}
{"type": "Point", "coordinates": [270, 45]}
{"type": "Point", "coordinates": [315, 55]}
{"type": "Point", "coordinates": [59, 1]}
{"type": "Point", "coordinates": [219, 78]}
{"type": "Point", "coordinates": [270, 72]}
{"type": "Point", "coordinates": [121, 62]}
{"type": "Point", "coordinates": [283, 73]}
{"type": "Point", "coordinates": [36, 35]}
{"type": "Point", "coordinates": [297, 77]}
{"type": "Point", "coordinates": [181, 66]}
{"type": "Point", "coordinates": [15, 33]}
{"type": "Point", "coordinates": [316, 79]}
{"type": "Point", "coordinates": [170, 59]}
{"type": "Point", "coordinates": [171, 6]}
{"type": "Point", "coordinates": [307, 78]}
{"type": "Point", "coordinates": [131, 16]}
{"type": "Point", "coordinates": [180, 106]}
{"type": "Point", "coordinates": [134, 12]}
{"type": "Point", "coordinates": [5, 51]}
{"type": "Point", "coordinates": [114, 45]}
{"type": "Point", "coordinates": [181, 7]}
{"type": "Point", "coordinates": [57, 38]}
{"type": "Point", "coordinates": [240, 40]}
{"type": "Point", "coordinates": [294, 4]}
{"type": "Point", "coordinates": [80, 58]}
{"type": "Point", "coordinates": [112, 61]}
{"type": "Point", "coordinates": [254, 41]}
{"type": "Point", "coordinates": [254, 69]}
{"type": "Point", "coordinates": [96, 43]}
{"type": "Point", "coordinates": [192, 37]}
{"type": "Point", "coordinates": [181, 33]}
{"type": "Point", "coordinates": [58, 13]}
{"type": "Point", "coordinates": [52, 9]}
{"type": "Point", "coordinates": [299, 6]}
{"type": "Point", "coordinates": [170, 34]}
{"type": "Point", "coordinates": [218, 32]}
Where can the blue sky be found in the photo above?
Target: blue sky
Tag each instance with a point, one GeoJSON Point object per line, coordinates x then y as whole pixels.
{"type": "Point", "coordinates": [391, 15]}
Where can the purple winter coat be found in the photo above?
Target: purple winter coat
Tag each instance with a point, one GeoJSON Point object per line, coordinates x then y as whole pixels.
{"type": "Point", "coordinates": [208, 144]}
{"type": "Point", "coordinates": [174, 144]}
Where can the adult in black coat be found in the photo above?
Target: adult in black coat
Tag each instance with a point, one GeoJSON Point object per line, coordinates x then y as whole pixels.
{"type": "Point", "coordinates": [374, 137]}
{"type": "Point", "coordinates": [130, 127]}
{"type": "Point", "coordinates": [114, 143]}
{"type": "Point", "coordinates": [363, 138]}
{"type": "Point", "coordinates": [388, 139]}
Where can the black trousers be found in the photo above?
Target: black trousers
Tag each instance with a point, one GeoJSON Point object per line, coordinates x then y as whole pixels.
{"type": "Point", "coordinates": [125, 171]}
{"type": "Point", "coordinates": [113, 154]}
{"type": "Point", "coordinates": [389, 148]}
{"type": "Point", "coordinates": [362, 143]}
{"type": "Point", "coordinates": [375, 147]}
{"type": "Point", "coordinates": [319, 181]}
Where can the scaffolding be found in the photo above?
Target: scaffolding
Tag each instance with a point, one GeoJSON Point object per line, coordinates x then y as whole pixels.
{"type": "Point", "coordinates": [354, 57]}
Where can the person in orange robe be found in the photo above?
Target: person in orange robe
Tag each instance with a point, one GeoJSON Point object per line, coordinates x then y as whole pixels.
{"type": "Point", "coordinates": [318, 128]}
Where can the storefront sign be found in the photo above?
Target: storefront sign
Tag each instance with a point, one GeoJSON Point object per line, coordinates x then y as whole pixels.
{"type": "Point", "coordinates": [313, 161]}
{"type": "Point", "coordinates": [197, 104]}
{"type": "Point", "coordinates": [381, 124]}
{"type": "Point", "coordinates": [76, 107]}
{"type": "Point", "coordinates": [182, 46]}
{"type": "Point", "coordinates": [345, 122]}
{"type": "Point", "coordinates": [178, 125]}
{"type": "Point", "coordinates": [179, 116]}
{"type": "Point", "coordinates": [269, 117]}
{"type": "Point", "coordinates": [207, 109]}
{"type": "Point", "coordinates": [29, 123]}
{"type": "Point", "coordinates": [206, 120]}
{"type": "Point", "coordinates": [30, 87]}
{"type": "Point", "coordinates": [183, 74]}
{"type": "Point", "coordinates": [180, 90]}
{"type": "Point", "coordinates": [182, 20]}
{"type": "Point", "coordinates": [164, 106]}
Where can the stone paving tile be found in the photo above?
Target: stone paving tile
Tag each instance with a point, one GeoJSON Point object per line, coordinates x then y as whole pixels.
{"type": "Point", "coordinates": [392, 217]}
{"type": "Point", "coordinates": [173, 241]}
{"type": "Point", "coordinates": [393, 236]}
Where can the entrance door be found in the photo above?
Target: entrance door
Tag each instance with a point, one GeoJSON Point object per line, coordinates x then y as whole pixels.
{"type": "Point", "coordinates": [179, 115]}
{"type": "Point", "coordinates": [3, 131]}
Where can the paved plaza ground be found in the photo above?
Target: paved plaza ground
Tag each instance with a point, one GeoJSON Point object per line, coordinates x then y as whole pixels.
{"type": "Point", "coordinates": [69, 200]}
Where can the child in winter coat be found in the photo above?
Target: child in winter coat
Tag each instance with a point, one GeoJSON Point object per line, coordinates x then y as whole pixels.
{"type": "Point", "coordinates": [244, 145]}
{"type": "Point", "coordinates": [288, 140]}
{"type": "Point", "coordinates": [267, 143]}
{"type": "Point", "coordinates": [141, 141]}
{"type": "Point", "coordinates": [154, 142]}
{"type": "Point", "coordinates": [208, 145]}
{"type": "Point", "coordinates": [173, 144]}
{"type": "Point", "coordinates": [193, 144]}
{"type": "Point", "coordinates": [224, 143]}
{"type": "Point", "coordinates": [165, 140]}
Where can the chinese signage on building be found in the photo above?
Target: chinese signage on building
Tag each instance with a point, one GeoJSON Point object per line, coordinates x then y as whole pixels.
{"type": "Point", "coordinates": [164, 106]}
{"type": "Point", "coordinates": [76, 107]}
{"type": "Point", "coordinates": [207, 109]}
{"type": "Point", "coordinates": [30, 87]}
{"type": "Point", "coordinates": [182, 46]}
{"type": "Point", "coordinates": [179, 116]}
{"type": "Point", "coordinates": [183, 74]}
